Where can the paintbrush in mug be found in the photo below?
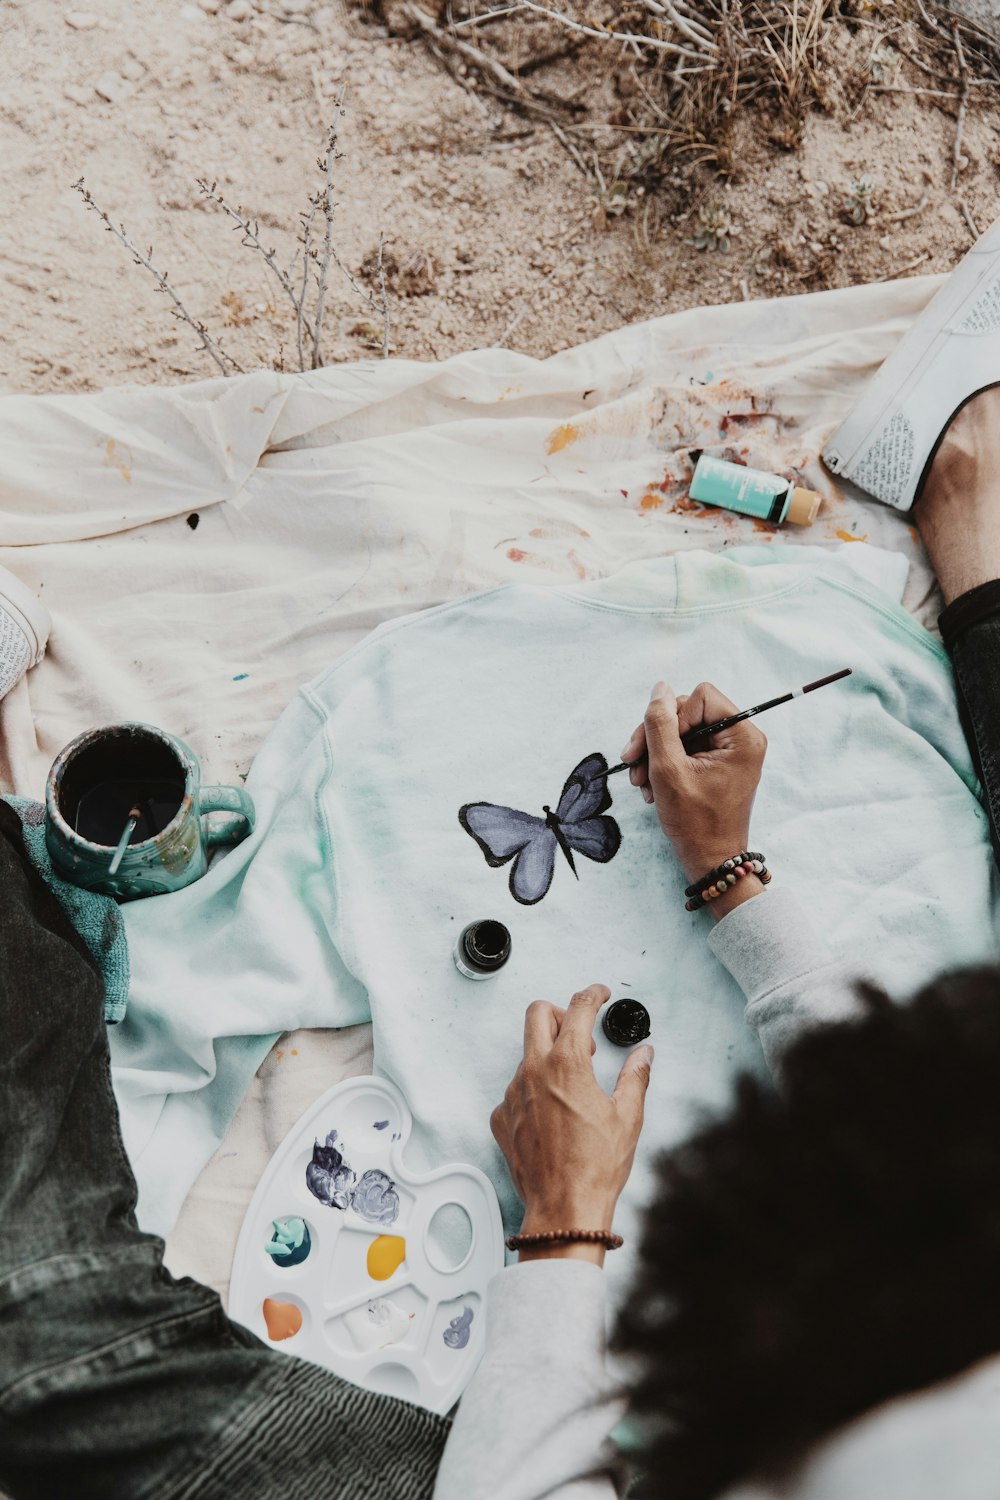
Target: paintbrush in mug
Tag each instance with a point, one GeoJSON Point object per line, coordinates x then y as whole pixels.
{"type": "Point", "coordinates": [135, 814]}
{"type": "Point", "coordinates": [703, 730]}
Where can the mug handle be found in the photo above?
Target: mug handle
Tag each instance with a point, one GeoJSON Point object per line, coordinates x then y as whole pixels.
{"type": "Point", "coordinates": [242, 816]}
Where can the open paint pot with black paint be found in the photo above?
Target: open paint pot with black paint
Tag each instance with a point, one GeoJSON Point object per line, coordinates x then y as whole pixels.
{"type": "Point", "coordinates": [139, 781]}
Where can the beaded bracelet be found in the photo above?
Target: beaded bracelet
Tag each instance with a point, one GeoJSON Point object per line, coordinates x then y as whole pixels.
{"type": "Point", "coordinates": [605, 1237]}
{"type": "Point", "coordinates": [724, 876]}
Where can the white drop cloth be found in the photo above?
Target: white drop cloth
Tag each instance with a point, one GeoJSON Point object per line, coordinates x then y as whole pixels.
{"type": "Point", "coordinates": [331, 502]}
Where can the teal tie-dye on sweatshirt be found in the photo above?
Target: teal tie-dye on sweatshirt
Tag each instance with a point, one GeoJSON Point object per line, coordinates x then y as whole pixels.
{"type": "Point", "coordinates": [347, 901]}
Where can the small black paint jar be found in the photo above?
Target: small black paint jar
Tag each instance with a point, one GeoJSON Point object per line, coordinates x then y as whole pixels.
{"type": "Point", "coordinates": [482, 949]}
{"type": "Point", "coordinates": [626, 1022]}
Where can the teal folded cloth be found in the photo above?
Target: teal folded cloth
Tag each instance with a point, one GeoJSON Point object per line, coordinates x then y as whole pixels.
{"type": "Point", "coordinates": [95, 917]}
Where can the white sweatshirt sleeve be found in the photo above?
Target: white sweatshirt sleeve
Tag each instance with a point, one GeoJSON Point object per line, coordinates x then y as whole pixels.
{"type": "Point", "coordinates": [786, 968]}
{"type": "Point", "coordinates": [536, 1418]}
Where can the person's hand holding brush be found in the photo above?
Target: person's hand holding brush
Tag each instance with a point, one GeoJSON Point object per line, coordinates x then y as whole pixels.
{"type": "Point", "coordinates": [703, 797]}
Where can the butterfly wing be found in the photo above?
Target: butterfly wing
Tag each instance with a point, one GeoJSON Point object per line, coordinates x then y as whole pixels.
{"type": "Point", "coordinates": [532, 873]}
{"type": "Point", "coordinates": [597, 838]}
{"type": "Point", "coordinates": [586, 791]}
{"type": "Point", "coordinates": [503, 833]}
{"type": "Point", "coordinates": [584, 798]}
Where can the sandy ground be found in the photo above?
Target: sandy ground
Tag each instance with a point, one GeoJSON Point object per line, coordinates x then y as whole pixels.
{"type": "Point", "coordinates": [492, 223]}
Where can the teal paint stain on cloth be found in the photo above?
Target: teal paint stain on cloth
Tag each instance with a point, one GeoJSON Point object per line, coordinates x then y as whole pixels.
{"type": "Point", "coordinates": [241, 676]}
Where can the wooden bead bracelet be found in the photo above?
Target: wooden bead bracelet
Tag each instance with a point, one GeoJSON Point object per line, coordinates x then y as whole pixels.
{"type": "Point", "coordinates": [604, 1237]}
{"type": "Point", "coordinates": [724, 876]}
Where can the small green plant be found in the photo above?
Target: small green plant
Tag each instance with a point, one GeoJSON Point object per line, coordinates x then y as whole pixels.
{"type": "Point", "coordinates": [859, 201]}
{"type": "Point", "coordinates": [885, 65]}
{"type": "Point", "coordinates": [714, 229]}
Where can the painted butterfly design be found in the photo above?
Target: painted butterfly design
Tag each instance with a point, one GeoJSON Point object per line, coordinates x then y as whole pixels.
{"type": "Point", "coordinates": [531, 842]}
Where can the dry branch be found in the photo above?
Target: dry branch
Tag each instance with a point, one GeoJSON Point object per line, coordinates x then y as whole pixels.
{"type": "Point", "coordinates": [211, 346]}
{"type": "Point", "coordinates": [636, 39]}
{"type": "Point", "coordinates": [325, 205]}
{"type": "Point", "coordinates": [251, 238]}
{"type": "Point", "coordinates": [380, 272]}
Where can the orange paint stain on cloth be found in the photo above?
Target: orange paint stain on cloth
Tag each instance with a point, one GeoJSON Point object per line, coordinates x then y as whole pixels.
{"type": "Point", "coordinates": [533, 559]}
{"type": "Point", "coordinates": [576, 564]}
{"type": "Point", "coordinates": [847, 536]}
{"type": "Point", "coordinates": [651, 501]}
{"type": "Point", "coordinates": [915, 535]}
{"type": "Point", "coordinates": [385, 1255]}
{"type": "Point", "coordinates": [283, 1319]}
{"type": "Point", "coordinates": [558, 529]}
{"type": "Point", "coordinates": [561, 437]}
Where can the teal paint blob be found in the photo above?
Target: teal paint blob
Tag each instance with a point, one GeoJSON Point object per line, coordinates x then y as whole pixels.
{"type": "Point", "coordinates": [290, 1243]}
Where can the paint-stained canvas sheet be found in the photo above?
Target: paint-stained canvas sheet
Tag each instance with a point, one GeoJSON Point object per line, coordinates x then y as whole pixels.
{"type": "Point", "coordinates": [205, 549]}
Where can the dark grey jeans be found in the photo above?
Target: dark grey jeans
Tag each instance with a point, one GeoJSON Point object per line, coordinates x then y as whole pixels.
{"type": "Point", "coordinates": [118, 1382]}
{"type": "Point", "coordinates": [970, 629]}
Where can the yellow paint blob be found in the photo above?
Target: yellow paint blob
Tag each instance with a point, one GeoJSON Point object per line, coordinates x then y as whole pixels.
{"type": "Point", "coordinates": [283, 1319]}
{"type": "Point", "coordinates": [385, 1255]}
{"type": "Point", "coordinates": [651, 501]}
{"type": "Point", "coordinates": [561, 437]}
{"type": "Point", "coordinates": [118, 458]}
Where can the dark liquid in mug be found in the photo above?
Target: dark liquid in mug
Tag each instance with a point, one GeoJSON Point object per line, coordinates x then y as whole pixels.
{"type": "Point", "coordinates": [121, 769]}
{"type": "Point", "coordinates": [103, 811]}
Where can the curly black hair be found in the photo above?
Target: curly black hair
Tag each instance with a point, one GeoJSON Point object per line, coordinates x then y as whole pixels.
{"type": "Point", "coordinates": [826, 1246]}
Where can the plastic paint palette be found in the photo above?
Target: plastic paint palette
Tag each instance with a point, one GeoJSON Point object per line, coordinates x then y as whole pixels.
{"type": "Point", "coordinates": [349, 1260]}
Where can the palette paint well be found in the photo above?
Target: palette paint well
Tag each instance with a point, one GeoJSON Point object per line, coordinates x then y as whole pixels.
{"type": "Point", "coordinates": [340, 1256]}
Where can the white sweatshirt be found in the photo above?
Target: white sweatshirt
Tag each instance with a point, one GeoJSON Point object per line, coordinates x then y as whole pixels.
{"type": "Point", "coordinates": [536, 1420]}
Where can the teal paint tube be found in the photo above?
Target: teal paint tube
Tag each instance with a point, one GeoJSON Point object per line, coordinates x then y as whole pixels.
{"type": "Point", "coordinates": [753, 492]}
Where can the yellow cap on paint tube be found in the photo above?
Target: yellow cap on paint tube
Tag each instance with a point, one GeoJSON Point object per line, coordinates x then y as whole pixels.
{"type": "Point", "coordinates": [803, 508]}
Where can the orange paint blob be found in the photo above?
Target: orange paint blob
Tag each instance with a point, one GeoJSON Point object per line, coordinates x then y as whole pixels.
{"type": "Point", "coordinates": [759, 525]}
{"type": "Point", "coordinates": [848, 536]}
{"type": "Point", "coordinates": [915, 535]}
{"type": "Point", "coordinates": [651, 501]}
{"type": "Point", "coordinates": [283, 1319]}
{"type": "Point", "coordinates": [385, 1256]}
{"type": "Point", "coordinates": [515, 554]}
{"type": "Point", "coordinates": [561, 438]}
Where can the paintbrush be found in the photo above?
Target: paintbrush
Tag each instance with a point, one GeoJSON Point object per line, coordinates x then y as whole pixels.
{"type": "Point", "coordinates": [703, 730]}
{"type": "Point", "coordinates": [135, 814]}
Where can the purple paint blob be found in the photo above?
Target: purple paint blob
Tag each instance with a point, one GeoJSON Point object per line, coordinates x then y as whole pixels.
{"type": "Point", "coordinates": [328, 1176]}
{"type": "Point", "coordinates": [380, 1125]}
{"type": "Point", "coordinates": [375, 1197]}
{"type": "Point", "coordinates": [456, 1335]}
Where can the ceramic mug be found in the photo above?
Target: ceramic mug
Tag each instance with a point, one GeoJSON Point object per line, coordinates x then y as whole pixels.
{"type": "Point", "coordinates": [101, 777]}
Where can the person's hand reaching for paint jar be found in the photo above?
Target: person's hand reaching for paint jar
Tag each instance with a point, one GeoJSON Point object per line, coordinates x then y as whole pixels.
{"type": "Point", "coordinates": [568, 1144]}
{"type": "Point", "coordinates": [703, 798]}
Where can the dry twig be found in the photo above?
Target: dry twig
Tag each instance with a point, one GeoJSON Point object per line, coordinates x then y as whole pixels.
{"type": "Point", "coordinates": [211, 346]}
{"type": "Point", "coordinates": [300, 317]}
{"type": "Point", "coordinates": [967, 215]}
{"type": "Point", "coordinates": [325, 205]}
{"type": "Point", "coordinates": [380, 272]}
{"type": "Point", "coordinates": [918, 208]}
{"type": "Point", "coordinates": [635, 39]}
{"type": "Point", "coordinates": [251, 238]}
{"type": "Point", "coordinates": [956, 154]}
{"type": "Point", "coordinates": [910, 266]}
